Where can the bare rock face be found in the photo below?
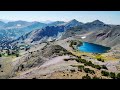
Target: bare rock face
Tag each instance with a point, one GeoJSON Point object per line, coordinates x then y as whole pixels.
{"type": "Point", "coordinates": [85, 28]}
{"type": "Point", "coordinates": [42, 35]}
{"type": "Point", "coordinates": [108, 37]}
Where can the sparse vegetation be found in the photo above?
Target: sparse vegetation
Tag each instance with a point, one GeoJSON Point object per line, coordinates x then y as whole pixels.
{"type": "Point", "coordinates": [89, 63]}
{"type": "Point", "coordinates": [87, 70]}
{"type": "Point", "coordinates": [69, 59]}
{"type": "Point", "coordinates": [105, 73]}
{"type": "Point", "coordinates": [81, 60]}
{"type": "Point", "coordinates": [17, 55]}
{"type": "Point", "coordinates": [77, 60]}
{"type": "Point", "coordinates": [66, 59]}
{"type": "Point", "coordinates": [97, 67]}
{"type": "Point", "coordinates": [95, 77]}
{"type": "Point", "coordinates": [100, 59]}
{"type": "Point", "coordinates": [74, 65]}
{"type": "Point", "coordinates": [92, 72]}
{"type": "Point", "coordinates": [118, 76]}
{"type": "Point", "coordinates": [72, 70]}
{"type": "Point", "coordinates": [74, 43]}
{"type": "Point", "coordinates": [20, 68]}
{"type": "Point", "coordinates": [86, 77]}
{"type": "Point", "coordinates": [80, 67]}
{"type": "Point", "coordinates": [104, 67]}
{"type": "Point", "coordinates": [0, 55]}
{"type": "Point", "coordinates": [112, 75]}
{"type": "Point", "coordinates": [71, 46]}
{"type": "Point", "coordinates": [8, 52]}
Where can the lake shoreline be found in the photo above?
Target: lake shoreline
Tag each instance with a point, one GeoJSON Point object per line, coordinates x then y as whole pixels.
{"type": "Point", "coordinates": [92, 48]}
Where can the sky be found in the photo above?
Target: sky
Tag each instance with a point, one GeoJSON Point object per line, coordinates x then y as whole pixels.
{"type": "Point", "coordinates": [109, 17]}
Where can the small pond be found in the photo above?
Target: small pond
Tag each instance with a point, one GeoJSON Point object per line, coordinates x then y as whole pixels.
{"type": "Point", "coordinates": [93, 48]}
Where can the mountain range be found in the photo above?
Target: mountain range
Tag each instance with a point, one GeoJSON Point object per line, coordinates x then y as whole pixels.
{"type": "Point", "coordinates": [48, 50]}
{"type": "Point", "coordinates": [34, 32]}
{"type": "Point", "coordinates": [53, 31]}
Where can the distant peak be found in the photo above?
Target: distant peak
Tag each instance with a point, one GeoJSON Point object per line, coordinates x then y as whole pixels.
{"type": "Point", "coordinates": [97, 22]}
{"type": "Point", "coordinates": [47, 21]}
{"type": "Point", "coordinates": [74, 20]}
{"type": "Point", "coordinates": [59, 21]}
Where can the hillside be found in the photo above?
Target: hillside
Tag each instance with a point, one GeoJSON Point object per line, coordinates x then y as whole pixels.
{"type": "Point", "coordinates": [108, 37]}
{"type": "Point", "coordinates": [59, 61]}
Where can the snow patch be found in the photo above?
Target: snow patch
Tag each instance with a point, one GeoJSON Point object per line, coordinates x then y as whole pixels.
{"type": "Point", "coordinates": [18, 25]}
{"type": "Point", "coordinates": [83, 37]}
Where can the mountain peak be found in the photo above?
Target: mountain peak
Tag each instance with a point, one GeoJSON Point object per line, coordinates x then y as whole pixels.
{"type": "Point", "coordinates": [73, 23]}
{"type": "Point", "coordinates": [97, 22]}
{"type": "Point", "coordinates": [74, 20]}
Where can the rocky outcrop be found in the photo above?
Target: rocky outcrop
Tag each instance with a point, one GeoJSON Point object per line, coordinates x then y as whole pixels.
{"type": "Point", "coordinates": [108, 37]}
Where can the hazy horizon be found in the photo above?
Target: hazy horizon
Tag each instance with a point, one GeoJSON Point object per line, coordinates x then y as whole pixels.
{"type": "Point", "coordinates": [109, 17]}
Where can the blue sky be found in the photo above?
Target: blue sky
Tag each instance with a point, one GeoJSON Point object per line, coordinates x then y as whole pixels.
{"type": "Point", "coordinates": [109, 17]}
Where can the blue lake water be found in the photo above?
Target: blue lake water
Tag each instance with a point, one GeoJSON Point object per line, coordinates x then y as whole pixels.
{"type": "Point", "coordinates": [93, 48]}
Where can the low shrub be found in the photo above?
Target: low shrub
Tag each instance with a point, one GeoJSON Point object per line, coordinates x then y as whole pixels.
{"type": "Point", "coordinates": [72, 70]}
{"type": "Point", "coordinates": [0, 55]}
{"type": "Point", "coordinates": [86, 70]}
{"type": "Point", "coordinates": [17, 55]}
{"type": "Point", "coordinates": [69, 59]}
{"type": "Point", "coordinates": [104, 67]}
{"type": "Point", "coordinates": [66, 59]}
{"type": "Point", "coordinates": [82, 60]}
{"type": "Point", "coordinates": [112, 75]}
{"type": "Point", "coordinates": [88, 63]}
{"type": "Point", "coordinates": [77, 60]}
{"type": "Point", "coordinates": [92, 72]}
{"type": "Point", "coordinates": [118, 76]}
{"type": "Point", "coordinates": [100, 59]}
{"type": "Point", "coordinates": [97, 67]}
{"type": "Point", "coordinates": [74, 65]}
{"type": "Point", "coordinates": [105, 73]}
{"type": "Point", "coordinates": [80, 67]}
{"type": "Point", "coordinates": [86, 77]}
